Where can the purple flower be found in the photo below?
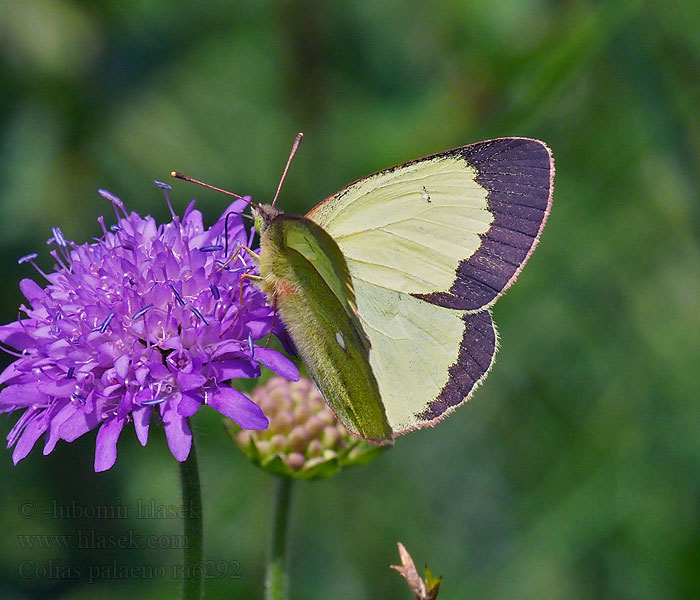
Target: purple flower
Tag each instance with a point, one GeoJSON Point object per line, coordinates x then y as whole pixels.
{"type": "Point", "coordinates": [147, 317]}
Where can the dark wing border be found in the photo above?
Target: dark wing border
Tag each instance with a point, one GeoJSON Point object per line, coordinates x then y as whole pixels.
{"type": "Point", "coordinates": [476, 356]}
{"type": "Point", "coordinates": [518, 174]}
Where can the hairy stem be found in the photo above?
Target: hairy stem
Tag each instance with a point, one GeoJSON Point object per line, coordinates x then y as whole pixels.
{"type": "Point", "coordinates": [192, 501]}
{"type": "Point", "coordinates": [276, 579]}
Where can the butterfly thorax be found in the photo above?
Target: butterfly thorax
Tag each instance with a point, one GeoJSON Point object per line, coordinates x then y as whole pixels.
{"type": "Point", "coordinates": [272, 264]}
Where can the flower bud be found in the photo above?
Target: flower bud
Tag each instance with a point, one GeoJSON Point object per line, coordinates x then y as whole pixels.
{"type": "Point", "coordinates": [304, 438]}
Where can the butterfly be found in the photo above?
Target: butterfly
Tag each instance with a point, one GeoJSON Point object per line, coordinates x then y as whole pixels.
{"type": "Point", "coordinates": [385, 287]}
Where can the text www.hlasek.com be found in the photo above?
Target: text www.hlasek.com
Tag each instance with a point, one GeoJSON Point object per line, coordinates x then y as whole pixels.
{"type": "Point", "coordinates": [92, 540]}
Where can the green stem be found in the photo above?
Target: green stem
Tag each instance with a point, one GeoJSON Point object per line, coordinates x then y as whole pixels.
{"type": "Point", "coordinates": [192, 502]}
{"type": "Point", "coordinates": [276, 579]}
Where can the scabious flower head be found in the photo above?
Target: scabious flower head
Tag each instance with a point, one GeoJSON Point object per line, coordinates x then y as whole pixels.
{"type": "Point", "coordinates": [147, 317]}
{"type": "Point", "coordinates": [305, 440]}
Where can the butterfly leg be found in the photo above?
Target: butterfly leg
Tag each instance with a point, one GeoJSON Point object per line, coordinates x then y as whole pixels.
{"type": "Point", "coordinates": [252, 278]}
{"type": "Point", "coordinates": [272, 325]}
{"type": "Point", "coordinates": [235, 255]}
{"type": "Point", "coordinates": [240, 296]}
{"type": "Point", "coordinates": [233, 322]}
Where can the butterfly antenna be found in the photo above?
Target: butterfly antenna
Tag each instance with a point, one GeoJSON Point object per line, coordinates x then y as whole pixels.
{"type": "Point", "coordinates": [184, 177]}
{"type": "Point", "coordinates": [295, 146]}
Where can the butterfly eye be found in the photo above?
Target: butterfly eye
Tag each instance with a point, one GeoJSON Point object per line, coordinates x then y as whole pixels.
{"type": "Point", "coordinates": [260, 223]}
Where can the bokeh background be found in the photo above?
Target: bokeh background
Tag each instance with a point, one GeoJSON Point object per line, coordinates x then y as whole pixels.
{"type": "Point", "coordinates": [575, 471]}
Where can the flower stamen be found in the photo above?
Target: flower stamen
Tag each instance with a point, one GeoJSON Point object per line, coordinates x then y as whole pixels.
{"type": "Point", "coordinates": [30, 259]}
{"type": "Point", "coordinates": [116, 202]}
{"type": "Point", "coordinates": [142, 312]}
{"type": "Point", "coordinates": [106, 323]}
{"type": "Point", "coordinates": [166, 188]}
{"type": "Point", "coordinates": [179, 299]}
{"type": "Point", "coordinates": [251, 346]}
{"type": "Point", "coordinates": [199, 315]}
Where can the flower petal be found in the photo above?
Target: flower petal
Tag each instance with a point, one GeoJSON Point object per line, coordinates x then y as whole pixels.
{"type": "Point", "coordinates": [177, 432]}
{"type": "Point", "coordinates": [237, 406]}
{"type": "Point", "coordinates": [281, 333]}
{"type": "Point", "coordinates": [31, 434]}
{"type": "Point", "coordinates": [11, 373]}
{"type": "Point", "coordinates": [142, 419]}
{"type": "Point", "coordinates": [106, 444]}
{"type": "Point", "coordinates": [189, 404]}
{"type": "Point", "coordinates": [78, 424]}
{"type": "Point", "coordinates": [23, 394]}
{"type": "Point", "coordinates": [235, 368]}
{"type": "Point", "coordinates": [237, 206]}
{"type": "Point", "coordinates": [121, 365]}
{"type": "Point", "coordinates": [190, 381]}
{"type": "Point", "coordinates": [13, 334]}
{"type": "Point", "coordinates": [32, 290]}
{"type": "Point", "coordinates": [63, 388]}
{"type": "Point", "coordinates": [276, 362]}
{"type": "Point", "coordinates": [167, 328]}
{"type": "Point", "coordinates": [54, 430]}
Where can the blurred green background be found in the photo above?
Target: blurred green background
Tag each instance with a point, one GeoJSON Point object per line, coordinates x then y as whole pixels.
{"type": "Point", "coordinates": [575, 471]}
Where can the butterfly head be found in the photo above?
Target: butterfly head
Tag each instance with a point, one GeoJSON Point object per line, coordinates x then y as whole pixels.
{"type": "Point", "coordinates": [264, 213]}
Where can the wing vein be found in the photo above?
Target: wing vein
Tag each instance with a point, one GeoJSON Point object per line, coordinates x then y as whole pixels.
{"type": "Point", "coordinates": [382, 227]}
{"type": "Point", "coordinates": [372, 264]}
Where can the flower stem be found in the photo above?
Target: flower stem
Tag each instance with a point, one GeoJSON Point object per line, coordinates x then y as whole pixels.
{"type": "Point", "coordinates": [192, 502]}
{"type": "Point", "coordinates": [276, 579]}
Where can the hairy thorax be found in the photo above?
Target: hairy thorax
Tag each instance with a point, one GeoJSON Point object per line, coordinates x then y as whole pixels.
{"type": "Point", "coordinates": [273, 269]}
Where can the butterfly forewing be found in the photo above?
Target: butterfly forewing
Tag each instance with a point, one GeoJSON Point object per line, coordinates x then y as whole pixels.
{"type": "Point", "coordinates": [517, 175]}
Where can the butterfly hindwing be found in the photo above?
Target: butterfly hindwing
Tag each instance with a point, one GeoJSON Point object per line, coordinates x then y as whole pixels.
{"type": "Point", "coordinates": [475, 358]}
{"type": "Point", "coordinates": [427, 359]}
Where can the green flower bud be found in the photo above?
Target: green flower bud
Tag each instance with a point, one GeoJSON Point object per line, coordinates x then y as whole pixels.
{"type": "Point", "coordinates": [314, 427]}
{"type": "Point", "coordinates": [295, 461]}
{"type": "Point", "coordinates": [297, 439]}
{"type": "Point", "coordinates": [314, 449]}
{"type": "Point", "coordinates": [304, 438]}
